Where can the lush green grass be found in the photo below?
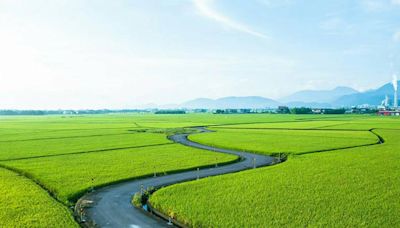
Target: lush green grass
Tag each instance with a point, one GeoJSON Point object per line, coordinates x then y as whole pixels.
{"type": "Point", "coordinates": [21, 135]}
{"type": "Point", "coordinates": [302, 124]}
{"type": "Point", "coordinates": [70, 175]}
{"type": "Point", "coordinates": [284, 141]}
{"type": "Point", "coordinates": [388, 123]}
{"type": "Point", "coordinates": [28, 123]}
{"type": "Point", "coordinates": [346, 188]}
{"type": "Point", "coordinates": [77, 144]}
{"type": "Point", "coordinates": [24, 204]}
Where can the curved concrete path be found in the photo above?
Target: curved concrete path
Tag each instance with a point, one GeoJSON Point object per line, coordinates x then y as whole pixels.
{"type": "Point", "coordinates": [111, 206]}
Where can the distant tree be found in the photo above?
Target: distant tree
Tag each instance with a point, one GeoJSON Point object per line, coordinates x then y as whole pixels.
{"type": "Point", "coordinates": [283, 110]}
{"type": "Point", "coordinates": [170, 112]}
{"type": "Point", "coordinates": [67, 112]}
{"type": "Point", "coordinates": [301, 110]}
{"type": "Point", "coordinates": [219, 111]}
{"type": "Point", "coordinates": [334, 111]}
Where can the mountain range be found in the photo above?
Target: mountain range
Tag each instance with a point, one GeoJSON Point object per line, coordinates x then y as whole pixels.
{"type": "Point", "coordinates": [338, 97]}
{"type": "Point", "coordinates": [231, 102]}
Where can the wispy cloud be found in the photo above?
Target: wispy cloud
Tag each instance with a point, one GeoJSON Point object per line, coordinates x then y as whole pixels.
{"type": "Point", "coordinates": [396, 36]}
{"type": "Point", "coordinates": [374, 5]}
{"type": "Point", "coordinates": [395, 2]}
{"type": "Point", "coordinates": [336, 26]}
{"type": "Point", "coordinates": [206, 9]}
{"type": "Point", "coordinates": [379, 5]}
{"type": "Point", "coordinates": [275, 3]}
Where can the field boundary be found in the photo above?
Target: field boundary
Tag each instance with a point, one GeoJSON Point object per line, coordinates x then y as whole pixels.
{"type": "Point", "coordinates": [88, 152]}
{"type": "Point", "coordinates": [291, 129]}
{"type": "Point", "coordinates": [66, 137]}
{"type": "Point", "coordinates": [380, 140]}
{"type": "Point", "coordinates": [72, 129]}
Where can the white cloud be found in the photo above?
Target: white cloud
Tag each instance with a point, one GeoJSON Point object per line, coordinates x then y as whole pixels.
{"type": "Point", "coordinates": [379, 5]}
{"type": "Point", "coordinates": [374, 5]}
{"type": "Point", "coordinates": [395, 2]}
{"type": "Point", "coordinates": [336, 25]}
{"type": "Point", "coordinates": [205, 8]}
{"type": "Point", "coordinates": [275, 3]}
{"type": "Point", "coordinates": [396, 36]}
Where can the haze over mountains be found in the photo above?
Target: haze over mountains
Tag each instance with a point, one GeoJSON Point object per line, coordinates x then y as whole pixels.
{"type": "Point", "coordinates": [231, 102]}
{"type": "Point", "coordinates": [338, 97]}
{"type": "Point", "coordinates": [318, 96]}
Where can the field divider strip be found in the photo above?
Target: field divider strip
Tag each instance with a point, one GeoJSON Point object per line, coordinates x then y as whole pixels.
{"type": "Point", "coordinates": [249, 123]}
{"type": "Point", "coordinates": [291, 129]}
{"type": "Point", "coordinates": [88, 152]}
{"type": "Point", "coordinates": [380, 140]}
{"type": "Point", "coordinates": [66, 137]}
{"type": "Point", "coordinates": [60, 130]}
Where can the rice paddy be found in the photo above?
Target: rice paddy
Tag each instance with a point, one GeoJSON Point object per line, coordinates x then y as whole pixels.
{"type": "Point", "coordinates": [354, 187]}
{"type": "Point", "coordinates": [47, 162]}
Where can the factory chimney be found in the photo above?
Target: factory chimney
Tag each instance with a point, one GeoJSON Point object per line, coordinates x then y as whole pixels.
{"type": "Point", "coordinates": [395, 85]}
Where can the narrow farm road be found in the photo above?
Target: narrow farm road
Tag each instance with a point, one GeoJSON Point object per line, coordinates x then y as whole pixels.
{"type": "Point", "coordinates": [111, 206]}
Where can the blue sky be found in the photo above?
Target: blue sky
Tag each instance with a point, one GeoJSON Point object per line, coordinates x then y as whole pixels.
{"type": "Point", "coordinates": [123, 54]}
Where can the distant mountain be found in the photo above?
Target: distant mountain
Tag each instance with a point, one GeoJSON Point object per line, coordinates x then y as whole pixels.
{"type": "Point", "coordinates": [338, 97]}
{"type": "Point", "coordinates": [371, 97]}
{"type": "Point", "coordinates": [199, 103]}
{"type": "Point", "coordinates": [318, 96]}
{"type": "Point", "coordinates": [231, 102]}
{"type": "Point", "coordinates": [308, 104]}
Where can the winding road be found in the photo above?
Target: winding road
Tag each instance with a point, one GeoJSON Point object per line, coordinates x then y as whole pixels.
{"type": "Point", "coordinates": [111, 206]}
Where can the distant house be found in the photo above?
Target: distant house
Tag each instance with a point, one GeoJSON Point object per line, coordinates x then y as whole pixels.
{"type": "Point", "coordinates": [389, 113]}
{"type": "Point", "coordinates": [363, 110]}
{"type": "Point", "coordinates": [317, 111]}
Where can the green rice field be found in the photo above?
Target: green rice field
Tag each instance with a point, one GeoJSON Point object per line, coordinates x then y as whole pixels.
{"type": "Point", "coordinates": [69, 176]}
{"type": "Point", "coordinates": [355, 187]}
{"type": "Point", "coordinates": [25, 204]}
{"type": "Point", "coordinates": [337, 172]}
{"type": "Point", "coordinates": [64, 157]}
{"type": "Point", "coordinates": [288, 141]}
